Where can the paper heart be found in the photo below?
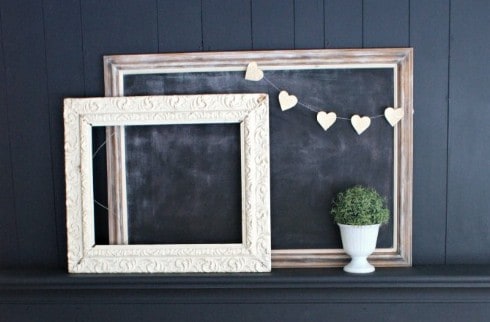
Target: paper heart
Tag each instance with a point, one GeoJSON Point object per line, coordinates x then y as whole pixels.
{"type": "Point", "coordinates": [393, 115]}
{"type": "Point", "coordinates": [326, 120]}
{"type": "Point", "coordinates": [287, 101]}
{"type": "Point", "coordinates": [360, 124]}
{"type": "Point", "coordinates": [253, 73]}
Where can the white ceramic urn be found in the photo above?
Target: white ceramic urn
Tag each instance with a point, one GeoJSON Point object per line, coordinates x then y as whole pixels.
{"type": "Point", "coordinates": [359, 242]}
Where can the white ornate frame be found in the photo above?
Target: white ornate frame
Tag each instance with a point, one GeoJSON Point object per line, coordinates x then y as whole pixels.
{"type": "Point", "coordinates": [400, 60]}
{"type": "Point", "coordinates": [249, 110]}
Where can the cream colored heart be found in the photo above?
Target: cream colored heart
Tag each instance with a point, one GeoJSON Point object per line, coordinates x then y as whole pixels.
{"type": "Point", "coordinates": [326, 120]}
{"type": "Point", "coordinates": [360, 124]}
{"type": "Point", "coordinates": [287, 101]}
{"type": "Point", "coordinates": [253, 73]}
{"type": "Point", "coordinates": [393, 115]}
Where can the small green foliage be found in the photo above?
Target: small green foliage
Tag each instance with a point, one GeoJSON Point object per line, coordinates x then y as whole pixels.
{"type": "Point", "coordinates": [360, 206]}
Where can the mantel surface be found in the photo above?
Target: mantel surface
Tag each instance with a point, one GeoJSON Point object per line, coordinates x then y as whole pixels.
{"type": "Point", "coordinates": [443, 283]}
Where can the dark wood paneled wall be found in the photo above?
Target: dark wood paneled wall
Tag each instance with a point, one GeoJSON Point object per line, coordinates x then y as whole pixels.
{"type": "Point", "coordinates": [29, 133]}
{"type": "Point", "coordinates": [53, 49]}
{"type": "Point", "coordinates": [429, 35]}
{"type": "Point", "coordinates": [468, 201]}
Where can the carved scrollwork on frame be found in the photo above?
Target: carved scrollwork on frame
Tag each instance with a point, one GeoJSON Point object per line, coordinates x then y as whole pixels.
{"type": "Point", "coordinates": [250, 110]}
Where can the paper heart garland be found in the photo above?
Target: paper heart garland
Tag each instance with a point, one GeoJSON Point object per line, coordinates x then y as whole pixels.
{"type": "Point", "coordinates": [360, 124]}
{"type": "Point", "coordinates": [326, 120]}
{"type": "Point", "coordinates": [287, 101]}
{"type": "Point", "coordinates": [393, 115]}
{"type": "Point", "coordinates": [253, 73]}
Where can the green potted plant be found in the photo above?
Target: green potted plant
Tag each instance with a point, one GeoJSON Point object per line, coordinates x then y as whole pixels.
{"type": "Point", "coordinates": [359, 211]}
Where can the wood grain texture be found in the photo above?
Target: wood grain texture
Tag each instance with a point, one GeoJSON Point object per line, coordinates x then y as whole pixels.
{"type": "Point", "coordinates": [429, 35]}
{"type": "Point", "coordinates": [116, 185]}
{"type": "Point", "coordinates": [29, 128]}
{"type": "Point", "coordinates": [468, 222]}
{"type": "Point", "coordinates": [179, 25]}
{"type": "Point", "coordinates": [343, 23]}
{"type": "Point", "coordinates": [273, 24]}
{"type": "Point", "coordinates": [115, 27]}
{"type": "Point", "coordinates": [226, 25]}
{"type": "Point", "coordinates": [385, 23]}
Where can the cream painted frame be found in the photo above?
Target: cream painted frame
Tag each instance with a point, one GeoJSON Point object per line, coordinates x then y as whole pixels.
{"type": "Point", "coordinates": [398, 59]}
{"type": "Point", "coordinates": [249, 110]}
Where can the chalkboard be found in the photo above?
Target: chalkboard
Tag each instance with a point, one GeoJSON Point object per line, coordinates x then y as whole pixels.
{"type": "Point", "coordinates": [183, 184]}
{"type": "Point", "coordinates": [99, 164]}
{"type": "Point", "coordinates": [309, 166]}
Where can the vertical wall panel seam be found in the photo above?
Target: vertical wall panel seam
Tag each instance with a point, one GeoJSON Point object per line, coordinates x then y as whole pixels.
{"type": "Point", "coordinates": [324, 22]}
{"type": "Point", "coordinates": [362, 23]}
{"type": "Point", "coordinates": [83, 49]}
{"type": "Point", "coordinates": [202, 27]}
{"type": "Point", "coordinates": [409, 17]}
{"type": "Point", "coordinates": [294, 23]}
{"type": "Point", "coordinates": [50, 134]}
{"type": "Point", "coordinates": [325, 44]}
{"type": "Point", "coordinates": [251, 26]}
{"type": "Point", "coordinates": [448, 125]}
{"type": "Point", "coordinates": [251, 23]}
{"type": "Point", "coordinates": [9, 135]}
{"type": "Point", "coordinates": [158, 25]}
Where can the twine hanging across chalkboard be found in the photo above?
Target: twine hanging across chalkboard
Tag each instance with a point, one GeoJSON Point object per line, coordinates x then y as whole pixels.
{"type": "Point", "coordinates": [325, 118]}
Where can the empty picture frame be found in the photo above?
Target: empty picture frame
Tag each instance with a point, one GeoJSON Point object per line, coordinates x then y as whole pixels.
{"type": "Point", "coordinates": [308, 165]}
{"type": "Point", "coordinates": [250, 111]}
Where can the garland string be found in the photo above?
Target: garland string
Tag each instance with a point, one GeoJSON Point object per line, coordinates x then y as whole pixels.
{"type": "Point", "coordinates": [313, 108]}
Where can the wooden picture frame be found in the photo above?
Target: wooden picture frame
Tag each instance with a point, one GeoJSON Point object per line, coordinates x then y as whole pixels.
{"type": "Point", "coordinates": [250, 111]}
{"type": "Point", "coordinates": [399, 61]}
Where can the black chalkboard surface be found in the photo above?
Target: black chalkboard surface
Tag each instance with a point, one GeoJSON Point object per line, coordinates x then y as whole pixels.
{"type": "Point", "coordinates": [308, 165]}
{"type": "Point", "coordinates": [183, 184]}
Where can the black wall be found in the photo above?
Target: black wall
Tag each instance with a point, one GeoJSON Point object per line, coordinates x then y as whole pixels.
{"type": "Point", "coordinates": [53, 49]}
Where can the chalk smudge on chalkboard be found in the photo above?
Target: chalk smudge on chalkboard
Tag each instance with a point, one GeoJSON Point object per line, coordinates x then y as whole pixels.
{"type": "Point", "coordinates": [184, 184]}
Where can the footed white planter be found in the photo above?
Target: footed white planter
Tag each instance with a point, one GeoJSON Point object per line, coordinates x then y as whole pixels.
{"type": "Point", "coordinates": [359, 242]}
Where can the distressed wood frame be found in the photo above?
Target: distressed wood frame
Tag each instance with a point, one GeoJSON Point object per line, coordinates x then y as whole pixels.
{"type": "Point", "coordinates": [399, 59]}
{"type": "Point", "coordinates": [249, 110]}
